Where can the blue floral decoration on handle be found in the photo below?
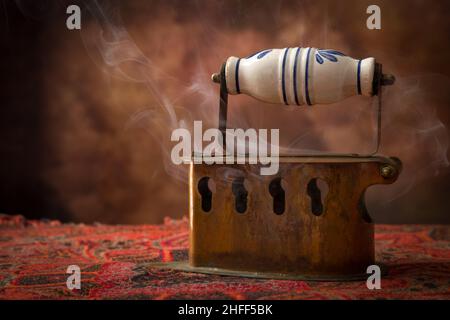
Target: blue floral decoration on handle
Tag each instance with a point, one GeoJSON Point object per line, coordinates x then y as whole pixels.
{"type": "Point", "coordinates": [260, 54]}
{"type": "Point", "coordinates": [330, 55]}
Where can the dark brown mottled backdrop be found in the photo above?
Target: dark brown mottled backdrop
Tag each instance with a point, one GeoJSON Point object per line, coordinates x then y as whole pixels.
{"type": "Point", "coordinates": [86, 115]}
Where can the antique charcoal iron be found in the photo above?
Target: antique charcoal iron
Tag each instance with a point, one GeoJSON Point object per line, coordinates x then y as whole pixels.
{"type": "Point", "coordinates": [285, 226]}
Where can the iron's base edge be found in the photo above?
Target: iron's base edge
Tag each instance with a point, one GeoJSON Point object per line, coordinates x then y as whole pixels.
{"type": "Point", "coordinates": [186, 267]}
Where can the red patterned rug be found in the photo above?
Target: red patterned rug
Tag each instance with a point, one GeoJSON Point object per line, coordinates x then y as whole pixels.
{"type": "Point", "coordinates": [114, 262]}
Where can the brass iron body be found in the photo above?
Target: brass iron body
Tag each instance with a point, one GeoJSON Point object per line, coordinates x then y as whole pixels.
{"type": "Point", "coordinates": [312, 238]}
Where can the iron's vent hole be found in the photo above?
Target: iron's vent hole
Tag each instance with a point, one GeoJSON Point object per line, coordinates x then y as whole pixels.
{"type": "Point", "coordinates": [278, 195]}
{"type": "Point", "coordinates": [363, 209]}
{"type": "Point", "coordinates": [206, 193]}
{"type": "Point", "coordinates": [317, 190]}
{"type": "Point", "coordinates": [240, 195]}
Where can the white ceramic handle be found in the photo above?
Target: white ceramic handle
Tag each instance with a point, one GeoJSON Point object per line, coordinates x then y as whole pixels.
{"type": "Point", "coordinates": [296, 76]}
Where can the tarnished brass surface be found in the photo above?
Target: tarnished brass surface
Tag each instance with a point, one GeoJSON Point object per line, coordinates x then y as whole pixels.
{"type": "Point", "coordinates": [336, 243]}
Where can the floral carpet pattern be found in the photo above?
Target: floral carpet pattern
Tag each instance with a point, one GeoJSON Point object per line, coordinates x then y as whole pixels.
{"type": "Point", "coordinates": [115, 263]}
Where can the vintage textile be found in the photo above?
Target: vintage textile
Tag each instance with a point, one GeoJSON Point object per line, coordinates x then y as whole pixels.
{"type": "Point", "coordinates": [34, 256]}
